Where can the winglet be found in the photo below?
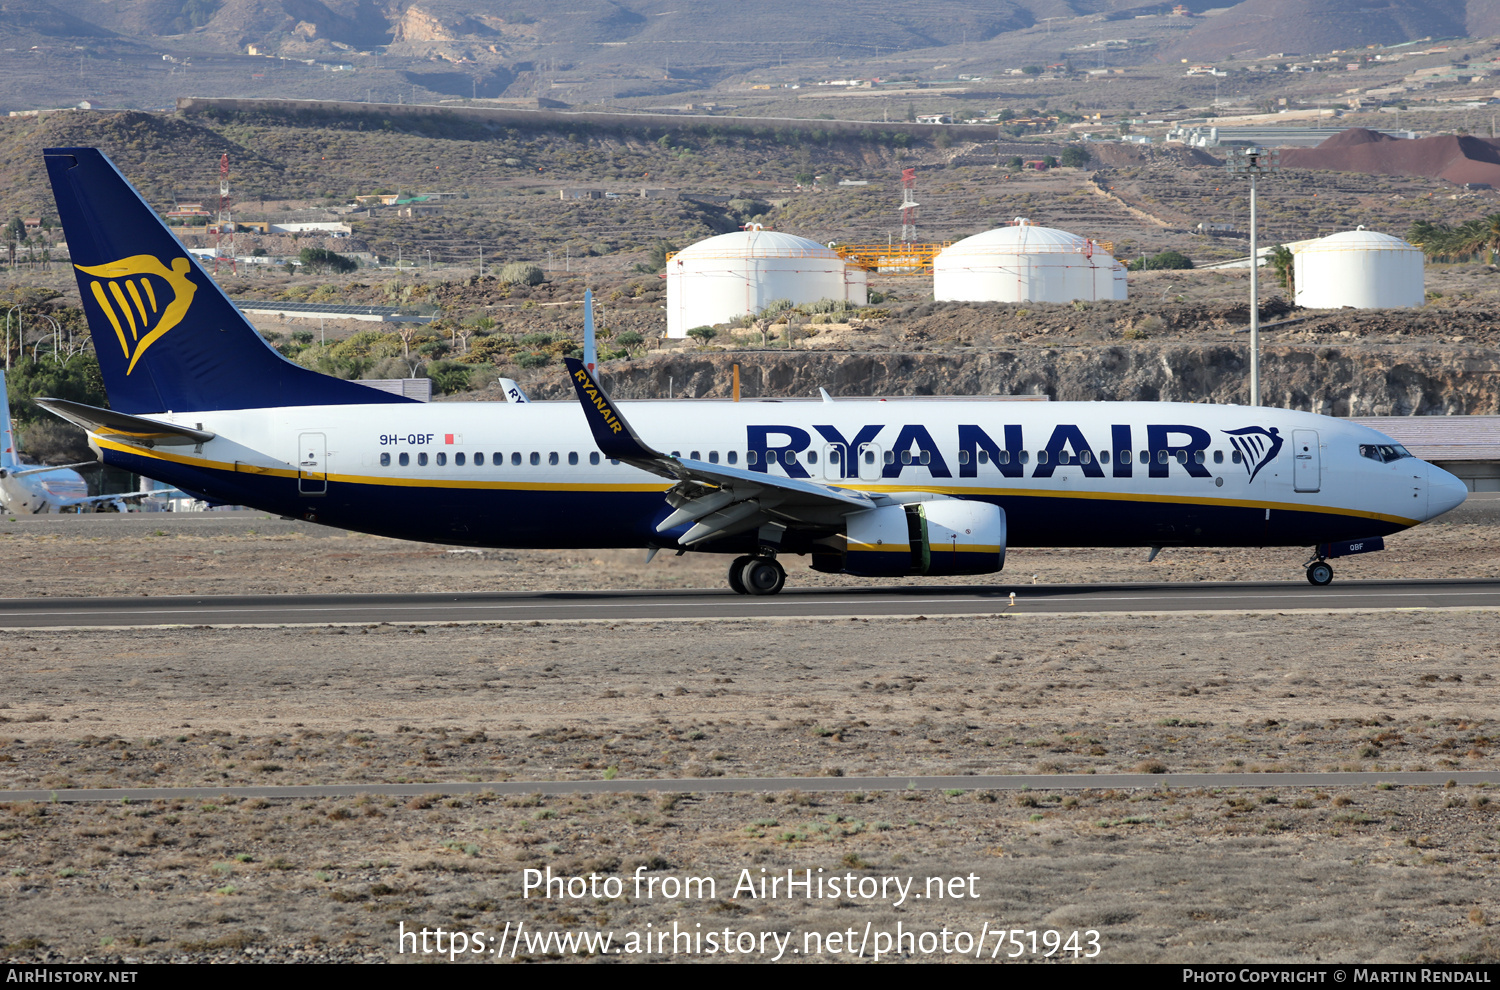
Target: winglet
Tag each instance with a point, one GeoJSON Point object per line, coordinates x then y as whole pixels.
{"type": "Point", "coordinates": [590, 351]}
{"type": "Point", "coordinates": [612, 435]}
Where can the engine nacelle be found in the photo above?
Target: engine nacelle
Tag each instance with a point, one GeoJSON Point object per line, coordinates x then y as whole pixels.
{"type": "Point", "coordinates": [940, 537]}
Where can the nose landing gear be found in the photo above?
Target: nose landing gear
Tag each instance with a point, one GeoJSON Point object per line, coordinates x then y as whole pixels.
{"type": "Point", "coordinates": [1319, 572]}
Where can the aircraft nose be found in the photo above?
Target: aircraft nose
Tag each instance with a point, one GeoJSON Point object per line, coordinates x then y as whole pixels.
{"type": "Point", "coordinates": [1444, 491]}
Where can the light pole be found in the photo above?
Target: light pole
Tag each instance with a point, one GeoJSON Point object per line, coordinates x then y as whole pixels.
{"type": "Point", "coordinates": [1254, 162]}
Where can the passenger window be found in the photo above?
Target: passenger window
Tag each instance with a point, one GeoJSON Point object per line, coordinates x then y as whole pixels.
{"type": "Point", "coordinates": [750, 457]}
{"type": "Point", "coordinates": [1182, 457]}
{"type": "Point", "coordinates": [442, 458]}
{"type": "Point", "coordinates": [812, 457]}
{"type": "Point", "coordinates": [1041, 457]}
{"type": "Point", "coordinates": [1199, 457]}
{"type": "Point", "coordinates": [572, 457]}
{"type": "Point", "coordinates": [1025, 457]}
{"type": "Point", "coordinates": [1004, 457]}
{"type": "Point", "coordinates": [459, 459]}
{"type": "Point", "coordinates": [890, 457]}
{"type": "Point", "coordinates": [613, 462]}
{"type": "Point", "coordinates": [405, 459]}
{"type": "Point", "coordinates": [385, 460]}
{"type": "Point", "coordinates": [594, 457]}
{"type": "Point", "coordinates": [1087, 457]}
{"type": "Point", "coordinates": [515, 458]}
{"type": "Point", "coordinates": [926, 457]}
{"type": "Point", "coordinates": [1125, 457]}
{"type": "Point", "coordinates": [1103, 457]}
{"type": "Point", "coordinates": [694, 456]}
{"type": "Point", "coordinates": [422, 459]}
{"type": "Point", "coordinates": [734, 456]}
{"type": "Point", "coordinates": [963, 456]}
{"type": "Point", "coordinates": [1236, 457]}
{"type": "Point", "coordinates": [713, 457]}
{"type": "Point", "coordinates": [1218, 457]}
{"type": "Point", "coordinates": [552, 458]}
{"type": "Point", "coordinates": [1161, 457]}
{"type": "Point", "coordinates": [789, 457]}
{"type": "Point", "coordinates": [676, 453]}
{"type": "Point", "coordinates": [984, 457]}
{"type": "Point", "coordinates": [869, 457]}
{"type": "Point", "coordinates": [536, 458]}
{"type": "Point", "coordinates": [1063, 457]}
{"type": "Point", "coordinates": [906, 457]}
{"type": "Point", "coordinates": [1145, 457]}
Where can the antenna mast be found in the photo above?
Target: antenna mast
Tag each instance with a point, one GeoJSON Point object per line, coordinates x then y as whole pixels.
{"type": "Point", "coordinates": [224, 225]}
{"type": "Point", "coordinates": [908, 206]}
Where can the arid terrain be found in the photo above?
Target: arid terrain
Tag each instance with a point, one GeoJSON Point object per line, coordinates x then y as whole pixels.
{"type": "Point", "coordinates": [1368, 874]}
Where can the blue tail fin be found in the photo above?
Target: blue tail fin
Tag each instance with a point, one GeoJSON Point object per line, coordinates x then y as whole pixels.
{"type": "Point", "coordinates": [167, 338]}
{"type": "Point", "coordinates": [8, 455]}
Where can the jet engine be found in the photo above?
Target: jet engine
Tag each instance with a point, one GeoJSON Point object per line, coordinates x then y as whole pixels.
{"type": "Point", "coordinates": [939, 537]}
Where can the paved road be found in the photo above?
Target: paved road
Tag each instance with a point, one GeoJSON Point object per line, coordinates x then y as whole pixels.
{"type": "Point", "coordinates": [729, 785]}
{"type": "Point", "coordinates": [43, 613]}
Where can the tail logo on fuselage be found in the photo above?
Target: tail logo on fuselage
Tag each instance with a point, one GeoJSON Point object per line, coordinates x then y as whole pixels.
{"type": "Point", "coordinates": [142, 299]}
{"type": "Point", "coordinates": [1257, 445]}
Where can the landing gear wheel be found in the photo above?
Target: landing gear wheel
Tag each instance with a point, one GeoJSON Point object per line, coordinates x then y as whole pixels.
{"type": "Point", "coordinates": [1319, 573]}
{"type": "Point", "coordinates": [735, 584]}
{"type": "Point", "coordinates": [762, 576]}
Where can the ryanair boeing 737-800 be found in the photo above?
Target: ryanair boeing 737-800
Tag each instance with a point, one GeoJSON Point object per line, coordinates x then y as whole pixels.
{"type": "Point", "coordinates": [872, 488]}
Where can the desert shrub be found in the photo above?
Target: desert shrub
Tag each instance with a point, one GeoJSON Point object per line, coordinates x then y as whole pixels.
{"type": "Point", "coordinates": [522, 273]}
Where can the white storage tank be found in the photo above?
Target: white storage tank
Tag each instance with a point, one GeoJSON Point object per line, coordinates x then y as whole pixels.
{"type": "Point", "coordinates": [1026, 263]}
{"type": "Point", "coordinates": [736, 274]}
{"type": "Point", "coordinates": [1360, 268]}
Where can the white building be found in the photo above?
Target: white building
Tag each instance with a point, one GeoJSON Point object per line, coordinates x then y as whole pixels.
{"type": "Point", "coordinates": [1026, 263]}
{"type": "Point", "coordinates": [721, 278]}
{"type": "Point", "coordinates": [1360, 268]}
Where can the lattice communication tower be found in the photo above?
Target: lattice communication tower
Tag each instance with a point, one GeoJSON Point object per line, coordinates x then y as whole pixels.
{"type": "Point", "coordinates": [224, 224]}
{"type": "Point", "coordinates": [908, 205]}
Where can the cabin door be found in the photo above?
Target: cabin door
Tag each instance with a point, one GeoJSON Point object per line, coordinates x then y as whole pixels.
{"type": "Point", "coordinates": [312, 464]}
{"type": "Point", "coordinates": [1307, 463]}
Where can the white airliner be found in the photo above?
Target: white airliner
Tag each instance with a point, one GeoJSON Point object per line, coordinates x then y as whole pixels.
{"type": "Point", "coordinates": [31, 488]}
{"type": "Point", "coordinates": [874, 488]}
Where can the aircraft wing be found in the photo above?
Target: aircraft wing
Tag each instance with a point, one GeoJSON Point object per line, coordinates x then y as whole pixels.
{"type": "Point", "coordinates": [127, 429]}
{"type": "Point", "coordinates": [54, 467]}
{"type": "Point", "coordinates": [719, 500]}
{"type": "Point", "coordinates": [117, 497]}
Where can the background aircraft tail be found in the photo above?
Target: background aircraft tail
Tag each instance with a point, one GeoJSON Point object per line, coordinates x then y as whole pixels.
{"type": "Point", "coordinates": [167, 337]}
{"type": "Point", "coordinates": [8, 456]}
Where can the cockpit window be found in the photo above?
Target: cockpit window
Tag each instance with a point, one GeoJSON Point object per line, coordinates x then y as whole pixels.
{"type": "Point", "coordinates": [1383, 452]}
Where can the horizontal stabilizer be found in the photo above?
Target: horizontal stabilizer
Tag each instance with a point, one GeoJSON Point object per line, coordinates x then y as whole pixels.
{"type": "Point", "coordinates": [127, 429]}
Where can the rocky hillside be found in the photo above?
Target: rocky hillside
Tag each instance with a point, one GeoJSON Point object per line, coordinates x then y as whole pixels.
{"type": "Point", "coordinates": [1349, 380]}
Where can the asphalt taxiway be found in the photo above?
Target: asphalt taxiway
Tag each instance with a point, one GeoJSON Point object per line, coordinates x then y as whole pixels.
{"type": "Point", "coordinates": [840, 603]}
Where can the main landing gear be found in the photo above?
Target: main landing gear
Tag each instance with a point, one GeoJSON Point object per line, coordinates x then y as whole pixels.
{"type": "Point", "coordinates": [756, 576]}
{"type": "Point", "coordinates": [1319, 572]}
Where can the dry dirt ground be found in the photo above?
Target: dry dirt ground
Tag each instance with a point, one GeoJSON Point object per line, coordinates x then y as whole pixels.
{"type": "Point", "coordinates": [1377, 874]}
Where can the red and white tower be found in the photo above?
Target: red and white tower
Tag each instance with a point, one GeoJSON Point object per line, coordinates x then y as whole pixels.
{"type": "Point", "coordinates": [224, 224]}
{"type": "Point", "coordinates": [908, 205]}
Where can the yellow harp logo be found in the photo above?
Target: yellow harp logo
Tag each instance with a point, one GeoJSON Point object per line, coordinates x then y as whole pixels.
{"type": "Point", "coordinates": [142, 298]}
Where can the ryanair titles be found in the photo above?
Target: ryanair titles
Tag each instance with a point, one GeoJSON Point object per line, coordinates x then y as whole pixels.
{"type": "Point", "coordinates": [587, 387]}
{"type": "Point", "coordinates": [913, 446]}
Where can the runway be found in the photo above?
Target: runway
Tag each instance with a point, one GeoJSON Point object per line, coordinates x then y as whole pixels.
{"type": "Point", "coordinates": [838, 603]}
